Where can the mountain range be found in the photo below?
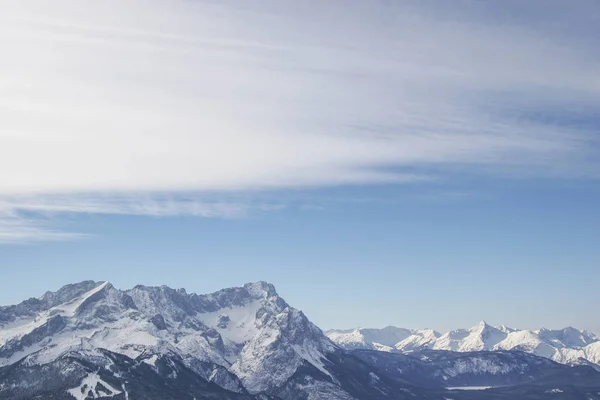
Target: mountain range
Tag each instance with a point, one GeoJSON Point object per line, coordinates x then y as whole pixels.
{"type": "Point", "coordinates": [91, 340]}
{"type": "Point", "coordinates": [567, 346]}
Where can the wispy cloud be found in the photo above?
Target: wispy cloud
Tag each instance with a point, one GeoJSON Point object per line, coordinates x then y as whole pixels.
{"type": "Point", "coordinates": [17, 229]}
{"type": "Point", "coordinates": [169, 97]}
{"type": "Point", "coordinates": [122, 205]}
{"type": "Point", "coordinates": [25, 219]}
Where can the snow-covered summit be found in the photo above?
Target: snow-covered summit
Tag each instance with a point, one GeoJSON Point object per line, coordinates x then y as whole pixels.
{"type": "Point", "coordinates": [65, 295]}
{"type": "Point", "coordinates": [568, 337]}
{"type": "Point", "coordinates": [480, 337]}
{"type": "Point", "coordinates": [569, 345]}
{"type": "Point", "coordinates": [363, 338]}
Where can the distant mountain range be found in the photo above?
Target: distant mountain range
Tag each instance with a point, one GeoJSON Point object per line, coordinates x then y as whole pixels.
{"type": "Point", "coordinates": [567, 346]}
{"type": "Point", "coordinates": [90, 340]}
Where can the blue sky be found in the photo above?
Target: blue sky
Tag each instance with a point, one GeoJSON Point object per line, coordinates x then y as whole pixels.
{"type": "Point", "coordinates": [380, 163]}
{"type": "Point", "coordinates": [517, 252]}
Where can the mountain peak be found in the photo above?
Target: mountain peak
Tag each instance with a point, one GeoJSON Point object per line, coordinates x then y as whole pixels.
{"type": "Point", "coordinates": [70, 291]}
{"type": "Point", "coordinates": [482, 325]}
{"type": "Point", "coordinates": [260, 289]}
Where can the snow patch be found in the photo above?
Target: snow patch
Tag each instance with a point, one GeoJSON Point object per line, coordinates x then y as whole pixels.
{"type": "Point", "coordinates": [151, 361]}
{"type": "Point", "coordinates": [470, 387]}
{"type": "Point", "coordinates": [93, 386]}
{"type": "Point", "coordinates": [313, 356]}
{"type": "Point", "coordinates": [241, 322]}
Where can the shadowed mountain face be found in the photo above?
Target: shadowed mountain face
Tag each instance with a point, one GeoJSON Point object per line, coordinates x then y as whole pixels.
{"type": "Point", "coordinates": [432, 368]}
{"type": "Point", "coordinates": [91, 340]}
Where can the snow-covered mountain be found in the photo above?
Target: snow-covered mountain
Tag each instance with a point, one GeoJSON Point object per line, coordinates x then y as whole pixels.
{"type": "Point", "coordinates": [568, 346]}
{"type": "Point", "coordinates": [364, 338]}
{"type": "Point", "coordinates": [244, 341]}
{"type": "Point", "coordinates": [90, 340]}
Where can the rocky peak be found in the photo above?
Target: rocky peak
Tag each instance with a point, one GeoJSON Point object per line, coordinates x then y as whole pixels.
{"type": "Point", "coordinates": [179, 305]}
{"type": "Point", "coordinates": [68, 292]}
{"type": "Point", "coordinates": [260, 289]}
{"type": "Point", "coordinates": [65, 295]}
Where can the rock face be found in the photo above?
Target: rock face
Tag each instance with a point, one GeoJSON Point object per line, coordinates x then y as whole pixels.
{"type": "Point", "coordinates": [91, 340]}
{"type": "Point", "coordinates": [568, 346]}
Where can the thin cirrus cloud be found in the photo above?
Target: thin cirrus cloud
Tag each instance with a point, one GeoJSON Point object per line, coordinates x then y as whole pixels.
{"type": "Point", "coordinates": [33, 218]}
{"type": "Point", "coordinates": [102, 100]}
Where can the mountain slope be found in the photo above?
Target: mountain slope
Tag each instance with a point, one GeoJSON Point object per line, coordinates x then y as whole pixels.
{"type": "Point", "coordinates": [478, 369]}
{"type": "Point", "coordinates": [95, 373]}
{"type": "Point", "coordinates": [506, 374]}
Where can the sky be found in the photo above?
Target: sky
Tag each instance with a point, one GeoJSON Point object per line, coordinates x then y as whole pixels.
{"type": "Point", "coordinates": [415, 163]}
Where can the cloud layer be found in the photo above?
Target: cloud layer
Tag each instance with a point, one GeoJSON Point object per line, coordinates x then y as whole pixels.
{"type": "Point", "coordinates": [114, 97]}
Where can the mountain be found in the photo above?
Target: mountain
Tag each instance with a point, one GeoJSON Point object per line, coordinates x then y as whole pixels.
{"type": "Point", "coordinates": [568, 346]}
{"type": "Point", "coordinates": [244, 342]}
{"type": "Point", "coordinates": [90, 340]}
